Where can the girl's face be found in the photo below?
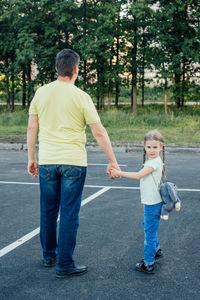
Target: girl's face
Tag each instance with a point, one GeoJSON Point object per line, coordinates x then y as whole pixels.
{"type": "Point", "coordinates": [153, 148]}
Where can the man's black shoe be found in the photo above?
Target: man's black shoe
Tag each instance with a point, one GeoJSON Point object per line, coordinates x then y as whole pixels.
{"type": "Point", "coordinates": [159, 254]}
{"type": "Point", "coordinates": [74, 271]}
{"type": "Point", "coordinates": [143, 268]}
{"type": "Point", "coordinates": [49, 262]}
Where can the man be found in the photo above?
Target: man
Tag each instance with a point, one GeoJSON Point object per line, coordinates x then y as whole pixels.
{"type": "Point", "coordinates": [60, 111]}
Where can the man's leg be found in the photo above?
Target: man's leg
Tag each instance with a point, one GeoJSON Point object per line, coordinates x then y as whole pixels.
{"type": "Point", "coordinates": [49, 208]}
{"type": "Point", "coordinates": [72, 182]}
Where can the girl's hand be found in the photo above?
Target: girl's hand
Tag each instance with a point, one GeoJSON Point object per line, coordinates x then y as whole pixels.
{"type": "Point", "coordinates": [111, 166]}
{"type": "Point", "coordinates": [115, 173]}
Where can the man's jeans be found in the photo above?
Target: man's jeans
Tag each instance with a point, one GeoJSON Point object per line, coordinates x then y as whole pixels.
{"type": "Point", "coordinates": [61, 187]}
{"type": "Point", "coordinates": [151, 224]}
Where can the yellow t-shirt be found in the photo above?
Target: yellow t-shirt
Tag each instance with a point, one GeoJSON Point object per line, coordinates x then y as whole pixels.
{"type": "Point", "coordinates": [63, 111]}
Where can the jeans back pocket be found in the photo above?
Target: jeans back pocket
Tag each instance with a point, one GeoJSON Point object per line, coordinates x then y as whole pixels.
{"type": "Point", "coordinates": [44, 172]}
{"type": "Point", "coordinates": [72, 172]}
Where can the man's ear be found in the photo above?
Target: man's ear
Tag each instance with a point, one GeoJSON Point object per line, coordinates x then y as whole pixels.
{"type": "Point", "coordinates": [76, 70]}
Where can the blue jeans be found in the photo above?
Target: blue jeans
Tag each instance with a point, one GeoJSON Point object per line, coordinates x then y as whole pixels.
{"type": "Point", "coordinates": [151, 224]}
{"type": "Point", "coordinates": [61, 188]}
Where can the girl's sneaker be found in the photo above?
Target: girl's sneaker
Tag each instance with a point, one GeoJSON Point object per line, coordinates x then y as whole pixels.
{"type": "Point", "coordinates": [159, 254]}
{"type": "Point", "coordinates": [143, 268]}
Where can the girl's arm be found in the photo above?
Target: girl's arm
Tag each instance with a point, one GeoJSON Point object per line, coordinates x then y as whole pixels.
{"type": "Point", "coordinates": [133, 175]}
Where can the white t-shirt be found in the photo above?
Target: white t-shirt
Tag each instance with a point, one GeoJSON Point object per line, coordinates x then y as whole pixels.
{"type": "Point", "coordinates": [148, 190]}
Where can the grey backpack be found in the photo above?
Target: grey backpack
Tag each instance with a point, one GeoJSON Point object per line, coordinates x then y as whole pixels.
{"type": "Point", "coordinates": [170, 199]}
{"type": "Point", "coordinates": [168, 192]}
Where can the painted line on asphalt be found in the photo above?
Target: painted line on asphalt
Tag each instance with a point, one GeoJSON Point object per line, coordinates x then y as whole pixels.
{"type": "Point", "coordinates": [18, 182]}
{"type": "Point", "coordinates": [93, 164]}
{"type": "Point", "coordinates": [99, 186]}
{"type": "Point", "coordinates": [97, 194]}
{"type": "Point", "coordinates": [35, 232]}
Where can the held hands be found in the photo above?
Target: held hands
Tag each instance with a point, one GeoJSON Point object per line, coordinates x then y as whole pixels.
{"type": "Point", "coordinates": [33, 168]}
{"type": "Point", "coordinates": [116, 173]}
{"type": "Point", "coordinates": [113, 170]}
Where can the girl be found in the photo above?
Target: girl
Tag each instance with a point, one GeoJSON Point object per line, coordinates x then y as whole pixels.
{"type": "Point", "coordinates": [149, 176]}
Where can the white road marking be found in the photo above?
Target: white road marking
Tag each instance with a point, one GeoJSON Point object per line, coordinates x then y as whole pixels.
{"type": "Point", "coordinates": [18, 182]}
{"type": "Point", "coordinates": [93, 164]}
{"type": "Point", "coordinates": [99, 186]}
{"type": "Point", "coordinates": [35, 232]}
{"type": "Point", "coordinates": [102, 190]}
{"type": "Point", "coordinates": [97, 194]}
{"type": "Point", "coordinates": [19, 242]}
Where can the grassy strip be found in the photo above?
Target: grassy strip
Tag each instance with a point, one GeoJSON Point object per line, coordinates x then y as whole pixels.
{"type": "Point", "coordinates": [178, 126]}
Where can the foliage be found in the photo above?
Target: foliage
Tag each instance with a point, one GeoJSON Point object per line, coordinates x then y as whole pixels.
{"type": "Point", "coordinates": [117, 41]}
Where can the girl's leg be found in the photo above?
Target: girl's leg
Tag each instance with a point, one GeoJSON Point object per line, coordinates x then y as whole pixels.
{"type": "Point", "coordinates": [157, 243]}
{"type": "Point", "coordinates": [151, 225]}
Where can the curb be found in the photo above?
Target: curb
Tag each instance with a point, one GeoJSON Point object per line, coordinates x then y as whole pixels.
{"type": "Point", "coordinates": [117, 147]}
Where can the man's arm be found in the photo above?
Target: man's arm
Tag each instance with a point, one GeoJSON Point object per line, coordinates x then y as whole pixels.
{"type": "Point", "coordinates": [103, 140]}
{"type": "Point", "coordinates": [31, 143]}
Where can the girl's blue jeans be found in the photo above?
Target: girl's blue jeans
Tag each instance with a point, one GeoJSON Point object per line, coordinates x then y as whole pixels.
{"type": "Point", "coordinates": [151, 224]}
{"type": "Point", "coordinates": [61, 189]}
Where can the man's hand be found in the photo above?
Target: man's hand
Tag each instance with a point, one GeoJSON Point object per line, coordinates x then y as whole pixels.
{"type": "Point", "coordinates": [33, 168]}
{"type": "Point", "coordinates": [109, 170]}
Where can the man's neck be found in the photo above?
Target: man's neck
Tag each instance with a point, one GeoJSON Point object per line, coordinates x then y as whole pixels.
{"type": "Point", "coordinates": [67, 79]}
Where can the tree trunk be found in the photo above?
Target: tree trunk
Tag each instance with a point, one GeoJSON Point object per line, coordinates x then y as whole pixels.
{"type": "Point", "coordinates": [66, 40]}
{"type": "Point", "coordinates": [84, 73]}
{"type": "Point", "coordinates": [84, 32]}
{"type": "Point", "coordinates": [134, 90]}
{"type": "Point", "coordinates": [103, 103]}
{"type": "Point", "coordinates": [23, 88]}
{"type": "Point", "coordinates": [177, 94]}
{"type": "Point", "coordinates": [116, 95]}
{"type": "Point", "coordinates": [7, 85]}
{"type": "Point", "coordinates": [117, 73]}
{"type": "Point", "coordinates": [12, 91]}
{"type": "Point", "coordinates": [109, 94]}
{"type": "Point", "coordinates": [183, 86]}
{"type": "Point", "coordinates": [143, 66]}
{"type": "Point", "coordinates": [29, 84]}
{"type": "Point", "coordinates": [134, 93]}
{"type": "Point", "coordinates": [98, 99]}
{"type": "Point", "coordinates": [98, 83]}
{"type": "Point", "coordinates": [8, 92]}
{"type": "Point", "coordinates": [143, 90]}
{"type": "Point", "coordinates": [134, 71]}
{"type": "Point", "coordinates": [165, 97]}
{"type": "Point", "coordinates": [110, 83]}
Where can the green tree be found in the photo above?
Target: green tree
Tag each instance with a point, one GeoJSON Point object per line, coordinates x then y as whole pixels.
{"type": "Point", "coordinates": [8, 42]}
{"type": "Point", "coordinates": [178, 39]}
{"type": "Point", "coordinates": [26, 45]}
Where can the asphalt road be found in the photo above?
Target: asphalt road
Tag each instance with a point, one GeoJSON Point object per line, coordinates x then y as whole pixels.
{"type": "Point", "coordinates": [110, 237]}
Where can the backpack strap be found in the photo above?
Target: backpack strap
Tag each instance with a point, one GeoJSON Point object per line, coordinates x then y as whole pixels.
{"type": "Point", "coordinates": [164, 174]}
{"type": "Point", "coordinates": [157, 187]}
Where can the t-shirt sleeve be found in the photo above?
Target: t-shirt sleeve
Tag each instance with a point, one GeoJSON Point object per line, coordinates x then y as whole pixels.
{"type": "Point", "coordinates": [153, 163]}
{"type": "Point", "coordinates": [90, 112]}
{"type": "Point", "coordinates": [33, 106]}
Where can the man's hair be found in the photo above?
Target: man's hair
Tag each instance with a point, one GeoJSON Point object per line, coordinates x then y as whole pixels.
{"type": "Point", "coordinates": [66, 60]}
